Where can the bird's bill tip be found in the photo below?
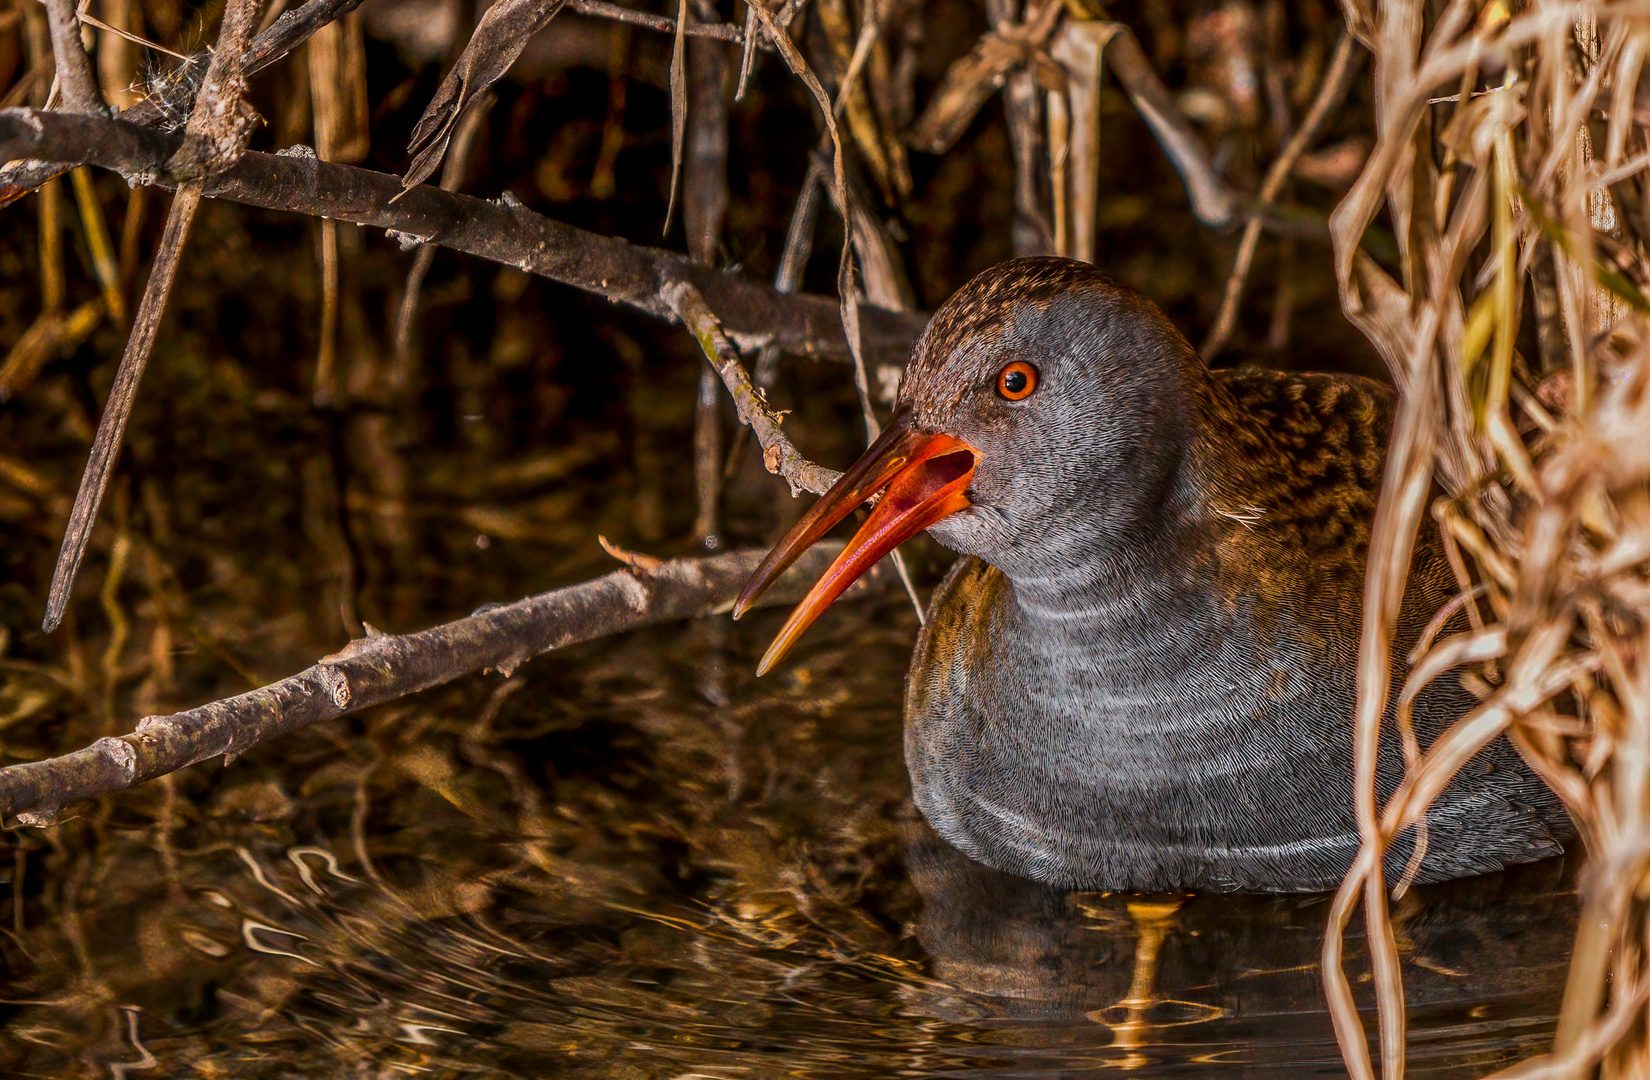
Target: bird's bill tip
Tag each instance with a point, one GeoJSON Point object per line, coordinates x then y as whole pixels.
{"type": "Point", "coordinates": [924, 478]}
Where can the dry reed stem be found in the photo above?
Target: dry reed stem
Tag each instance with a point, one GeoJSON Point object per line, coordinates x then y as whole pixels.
{"type": "Point", "coordinates": [1547, 518]}
{"type": "Point", "coordinates": [1336, 82]}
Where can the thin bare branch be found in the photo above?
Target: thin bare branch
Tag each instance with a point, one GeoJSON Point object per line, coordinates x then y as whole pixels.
{"type": "Point", "coordinates": [754, 314]}
{"type": "Point", "coordinates": [215, 137]}
{"type": "Point", "coordinates": [779, 455]}
{"type": "Point", "coordinates": [705, 205]}
{"type": "Point", "coordinates": [173, 99]}
{"type": "Point", "coordinates": [381, 667]}
{"type": "Point", "coordinates": [111, 428]}
{"type": "Point", "coordinates": [662, 23]}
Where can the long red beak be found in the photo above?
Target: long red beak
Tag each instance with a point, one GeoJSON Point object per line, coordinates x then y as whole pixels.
{"type": "Point", "coordinates": [923, 477]}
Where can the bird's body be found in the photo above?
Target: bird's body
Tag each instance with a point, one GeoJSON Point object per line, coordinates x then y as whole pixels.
{"type": "Point", "coordinates": [1194, 728]}
{"type": "Point", "coordinates": [1143, 675]}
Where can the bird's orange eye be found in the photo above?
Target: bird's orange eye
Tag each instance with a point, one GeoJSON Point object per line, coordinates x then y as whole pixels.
{"type": "Point", "coordinates": [1016, 381]}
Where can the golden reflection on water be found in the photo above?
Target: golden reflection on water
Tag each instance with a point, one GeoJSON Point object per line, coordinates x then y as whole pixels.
{"type": "Point", "coordinates": [605, 868]}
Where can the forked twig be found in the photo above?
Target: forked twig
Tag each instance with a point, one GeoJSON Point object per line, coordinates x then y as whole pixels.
{"type": "Point", "coordinates": [172, 99]}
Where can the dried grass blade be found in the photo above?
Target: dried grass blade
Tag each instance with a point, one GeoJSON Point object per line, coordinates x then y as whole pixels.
{"type": "Point", "coordinates": [1488, 644]}
{"type": "Point", "coordinates": [678, 106]}
{"type": "Point", "coordinates": [747, 57]}
{"type": "Point", "coordinates": [104, 261]}
{"type": "Point", "coordinates": [499, 38]}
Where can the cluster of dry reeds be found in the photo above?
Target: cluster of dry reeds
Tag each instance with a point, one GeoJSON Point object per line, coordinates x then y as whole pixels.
{"type": "Point", "coordinates": [1512, 165]}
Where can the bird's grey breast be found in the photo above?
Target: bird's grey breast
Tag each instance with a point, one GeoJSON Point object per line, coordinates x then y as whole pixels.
{"type": "Point", "coordinates": [1158, 744]}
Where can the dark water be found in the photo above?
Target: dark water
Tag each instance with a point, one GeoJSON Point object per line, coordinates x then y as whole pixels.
{"type": "Point", "coordinates": [635, 860]}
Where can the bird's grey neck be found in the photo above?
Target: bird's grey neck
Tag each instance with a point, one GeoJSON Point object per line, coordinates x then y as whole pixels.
{"type": "Point", "coordinates": [1106, 584]}
{"type": "Point", "coordinates": [1081, 577]}
{"type": "Point", "coordinates": [1145, 562]}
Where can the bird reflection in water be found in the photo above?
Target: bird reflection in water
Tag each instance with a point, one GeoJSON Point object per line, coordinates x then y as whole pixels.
{"type": "Point", "coordinates": [1157, 983]}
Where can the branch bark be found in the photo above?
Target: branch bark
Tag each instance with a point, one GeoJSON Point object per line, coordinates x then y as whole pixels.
{"type": "Point", "coordinates": [75, 80]}
{"type": "Point", "coordinates": [505, 232]}
{"type": "Point", "coordinates": [382, 667]}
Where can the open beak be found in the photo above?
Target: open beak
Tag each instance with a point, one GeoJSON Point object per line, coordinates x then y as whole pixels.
{"type": "Point", "coordinates": [923, 478]}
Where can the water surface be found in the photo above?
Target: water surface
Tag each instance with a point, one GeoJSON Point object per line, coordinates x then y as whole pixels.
{"type": "Point", "coordinates": [636, 860]}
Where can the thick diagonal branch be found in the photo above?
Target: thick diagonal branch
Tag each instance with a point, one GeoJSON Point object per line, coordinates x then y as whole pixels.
{"type": "Point", "coordinates": [753, 314]}
{"type": "Point", "coordinates": [376, 669]}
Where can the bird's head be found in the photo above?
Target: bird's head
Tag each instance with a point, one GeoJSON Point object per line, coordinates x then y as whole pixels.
{"type": "Point", "coordinates": [1042, 416]}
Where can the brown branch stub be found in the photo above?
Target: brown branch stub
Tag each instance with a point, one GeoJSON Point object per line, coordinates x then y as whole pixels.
{"type": "Point", "coordinates": [376, 669]}
{"type": "Point", "coordinates": [752, 314]}
{"type": "Point", "coordinates": [779, 455]}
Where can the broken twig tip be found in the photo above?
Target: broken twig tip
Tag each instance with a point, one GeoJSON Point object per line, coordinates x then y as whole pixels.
{"type": "Point", "coordinates": [635, 560]}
